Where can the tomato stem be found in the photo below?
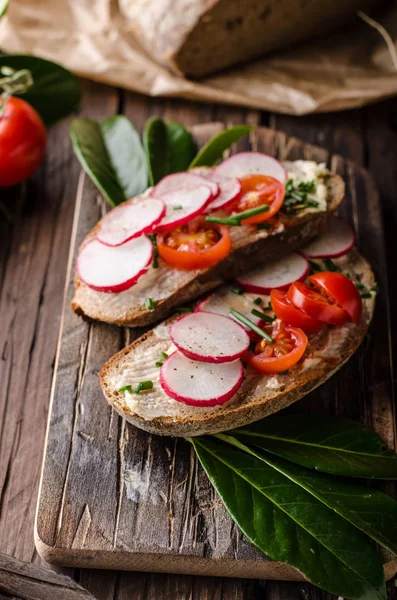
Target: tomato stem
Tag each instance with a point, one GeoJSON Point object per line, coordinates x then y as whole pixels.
{"type": "Point", "coordinates": [13, 82]}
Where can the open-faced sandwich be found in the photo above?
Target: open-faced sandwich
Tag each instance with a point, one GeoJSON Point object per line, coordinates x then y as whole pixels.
{"type": "Point", "coordinates": [197, 229]}
{"type": "Point", "coordinates": [252, 347]}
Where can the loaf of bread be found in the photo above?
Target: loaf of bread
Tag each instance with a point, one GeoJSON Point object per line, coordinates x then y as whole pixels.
{"type": "Point", "coordinates": [198, 37]}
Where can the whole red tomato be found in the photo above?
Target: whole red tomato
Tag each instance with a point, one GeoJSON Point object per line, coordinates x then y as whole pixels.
{"type": "Point", "coordinates": [22, 142]}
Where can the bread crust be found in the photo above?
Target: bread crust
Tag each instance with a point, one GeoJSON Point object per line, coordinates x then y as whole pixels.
{"type": "Point", "coordinates": [257, 249]}
{"type": "Point", "coordinates": [334, 346]}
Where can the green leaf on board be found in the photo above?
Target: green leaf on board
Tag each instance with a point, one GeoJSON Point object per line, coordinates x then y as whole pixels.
{"type": "Point", "coordinates": [55, 92]}
{"type": "Point", "coordinates": [111, 153]}
{"type": "Point", "coordinates": [182, 147]}
{"type": "Point", "coordinates": [213, 151]}
{"type": "Point", "coordinates": [290, 525]}
{"type": "Point", "coordinates": [158, 152]}
{"type": "Point", "coordinates": [169, 148]}
{"type": "Point", "coordinates": [368, 509]}
{"type": "Point", "coordinates": [3, 7]}
{"type": "Point", "coordinates": [328, 444]}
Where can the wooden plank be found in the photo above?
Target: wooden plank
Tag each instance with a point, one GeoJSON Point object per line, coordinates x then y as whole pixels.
{"type": "Point", "coordinates": [30, 582]}
{"type": "Point", "coordinates": [33, 258]}
{"type": "Point", "coordinates": [113, 496]}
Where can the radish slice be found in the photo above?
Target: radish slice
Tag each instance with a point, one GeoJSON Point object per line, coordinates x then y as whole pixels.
{"type": "Point", "coordinates": [210, 338]}
{"type": "Point", "coordinates": [278, 275]}
{"type": "Point", "coordinates": [182, 206]}
{"type": "Point", "coordinates": [229, 191]}
{"type": "Point", "coordinates": [129, 220]}
{"type": "Point", "coordinates": [114, 268]}
{"type": "Point", "coordinates": [200, 383]}
{"type": "Point", "coordinates": [187, 181]}
{"type": "Point", "coordinates": [251, 163]}
{"type": "Point", "coordinates": [336, 241]}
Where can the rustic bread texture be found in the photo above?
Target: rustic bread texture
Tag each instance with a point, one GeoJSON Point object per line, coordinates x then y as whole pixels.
{"type": "Point", "coordinates": [259, 396]}
{"type": "Point", "coordinates": [170, 288]}
{"type": "Point", "coordinates": [199, 37]}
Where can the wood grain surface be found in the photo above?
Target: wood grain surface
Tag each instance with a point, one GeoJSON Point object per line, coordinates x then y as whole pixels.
{"type": "Point", "coordinates": [113, 496]}
{"type": "Point", "coordinates": [31, 303]}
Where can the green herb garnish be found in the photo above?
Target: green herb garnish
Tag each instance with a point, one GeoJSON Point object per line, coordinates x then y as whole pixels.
{"type": "Point", "coordinates": [258, 301]}
{"type": "Point", "coordinates": [159, 363]}
{"type": "Point", "coordinates": [177, 207]}
{"type": "Point", "coordinates": [125, 388]}
{"type": "Point", "coordinates": [153, 238]}
{"type": "Point", "coordinates": [235, 220]}
{"type": "Point", "coordinates": [149, 304]}
{"type": "Point", "coordinates": [236, 290]}
{"type": "Point", "coordinates": [263, 316]}
{"type": "Point", "coordinates": [296, 196]}
{"type": "Point", "coordinates": [163, 356]}
{"type": "Point", "coordinates": [248, 323]}
{"type": "Point", "coordinates": [330, 265]}
{"type": "Point", "coordinates": [263, 226]}
{"type": "Point", "coordinates": [143, 385]}
{"type": "Point", "coordinates": [314, 266]}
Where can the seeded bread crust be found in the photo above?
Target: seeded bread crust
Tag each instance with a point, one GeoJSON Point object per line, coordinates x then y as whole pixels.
{"type": "Point", "coordinates": [328, 351]}
{"type": "Point", "coordinates": [199, 37]}
{"type": "Point", "coordinates": [123, 310]}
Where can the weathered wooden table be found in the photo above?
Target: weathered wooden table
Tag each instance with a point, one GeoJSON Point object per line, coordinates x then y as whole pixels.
{"type": "Point", "coordinates": [33, 257]}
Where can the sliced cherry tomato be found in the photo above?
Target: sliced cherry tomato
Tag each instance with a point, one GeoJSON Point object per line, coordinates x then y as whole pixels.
{"type": "Point", "coordinates": [342, 291]}
{"type": "Point", "coordinates": [316, 305]}
{"type": "Point", "coordinates": [257, 190]}
{"type": "Point", "coordinates": [291, 315]}
{"type": "Point", "coordinates": [288, 348]}
{"type": "Point", "coordinates": [22, 142]}
{"type": "Point", "coordinates": [194, 246]}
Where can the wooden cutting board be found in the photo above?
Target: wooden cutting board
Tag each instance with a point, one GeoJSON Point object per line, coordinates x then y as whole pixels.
{"type": "Point", "coordinates": [115, 497]}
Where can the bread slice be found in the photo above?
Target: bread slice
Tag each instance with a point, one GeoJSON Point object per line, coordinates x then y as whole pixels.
{"type": "Point", "coordinates": [259, 395]}
{"type": "Point", "coordinates": [170, 288]}
{"type": "Point", "coordinates": [199, 37]}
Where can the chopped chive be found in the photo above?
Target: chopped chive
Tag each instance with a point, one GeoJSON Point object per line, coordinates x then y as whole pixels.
{"type": "Point", "coordinates": [263, 316]}
{"type": "Point", "coordinates": [360, 286]}
{"type": "Point", "coordinates": [236, 290]}
{"type": "Point", "coordinates": [263, 226]}
{"type": "Point", "coordinates": [153, 238]}
{"type": "Point", "coordinates": [159, 363]}
{"type": "Point", "coordinates": [177, 207]}
{"type": "Point", "coordinates": [330, 265]}
{"type": "Point", "coordinates": [149, 304]}
{"type": "Point", "coordinates": [184, 309]}
{"type": "Point", "coordinates": [258, 301]}
{"type": "Point", "coordinates": [366, 295]}
{"type": "Point", "coordinates": [163, 356]}
{"type": "Point", "coordinates": [314, 266]}
{"type": "Point", "coordinates": [125, 388]}
{"type": "Point", "coordinates": [245, 321]}
{"type": "Point", "coordinates": [236, 219]}
{"type": "Point", "coordinates": [268, 307]}
{"type": "Point", "coordinates": [143, 385]}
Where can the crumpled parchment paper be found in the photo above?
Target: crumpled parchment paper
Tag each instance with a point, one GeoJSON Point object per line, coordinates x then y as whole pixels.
{"type": "Point", "coordinates": [341, 71]}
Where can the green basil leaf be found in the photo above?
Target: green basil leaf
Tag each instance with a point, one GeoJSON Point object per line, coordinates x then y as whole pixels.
{"type": "Point", "coordinates": [213, 151]}
{"type": "Point", "coordinates": [366, 508]}
{"type": "Point", "coordinates": [55, 93]}
{"type": "Point", "coordinates": [327, 444]}
{"type": "Point", "coordinates": [111, 154]}
{"type": "Point", "coordinates": [290, 525]}
{"type": "Point", "coordinates": [3, 7]}
{"type": "Point", "coordinates": [182, 147]}
{"type": "Point", "coordinates": [158, 151]}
